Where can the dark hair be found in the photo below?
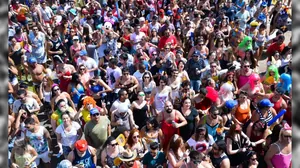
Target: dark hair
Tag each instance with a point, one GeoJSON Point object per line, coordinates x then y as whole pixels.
{"type": "Point", "coordinates": [125, 69]}
{"type": "Point", "coordinates": [29, 120]}
{"type": "Point", "coordinates": [213, 108]}
{"type": "Point", "coordinates": [184, 99]}
{"type": "Point", "coordinates": [252, 58]}
{"type": "Point", "coordinates": [108, 141]}
{"type": "Point", "coordinates": [203, 91]}
{"type": "Point", "coordinates": [195, 155]}
{"type": "Point", "coordinates": [147, 73]}
{"type": "Point", "coordinates": [121, 91]}
{"type": "Point", "coordinates": [275, 133]}
{"type": "Point", "coordinates": [21, 91]}
{"type": "Point", "coordinates": [60, 101]}
{"type": "Point", "coordinates": [75, 79]}
{"type": "Point", "coordinates": [185, 83]}
{"type": "Point", "coordinates": [153, 122]}
{"type": "Point", "coordinates": [52, 91]}
{"type": "Point", "coordinates": [199, 129]}
{"type": "Point", "coordinates": [263, 124]}
{"type": "Point", "coordinates": [163, 78]}
{"type": "Point", "coordinates": [157, 59]}
{"type": "Point", "coordinates": [113, 61]}
{"type": "Point", "coordinates": [221, 145]}
{"type": "Point", "coordinates": [154, 145]}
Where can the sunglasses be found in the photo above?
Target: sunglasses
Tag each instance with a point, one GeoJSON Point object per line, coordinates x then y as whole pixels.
{"type": "Point", "coordinates": [287, 136]}
{"type": "Point", "coordinates": [141, 94]}
{"type": "Point", "coordinates": [146, 76]}
{"type": "Point", "coordinates": [196, 162]}
{"type": "Point", "coordinates": [215, 148]}
{"type": "Point", "coordinates": [96, 114]}
{"type": "Point", "coordinates": [213, 66]}
{"type": "Point", "coordinates": [246, 66]}
{"type": "Point", "coordinates": [134, 137]}
{"type": "Point", "coordinates": [167, 48]}
{"type": "Point", "coordinates": [253, 159]}
{"type": "Point", "coordinates": [82, 69]}
{"type": "Point", "coordinates": [115, 144]}
{"type": "Point", "coordinates": [75, 40]}
{"type": "Point", "coordinates": [56, 90]}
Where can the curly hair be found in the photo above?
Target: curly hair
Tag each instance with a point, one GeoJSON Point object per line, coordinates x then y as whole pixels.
{"type": "Point", "coordinates": [89, 100]}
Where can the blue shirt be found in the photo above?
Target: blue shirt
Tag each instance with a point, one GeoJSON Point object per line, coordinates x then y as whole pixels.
{"type": "Point", "coordinates": [151, 162]}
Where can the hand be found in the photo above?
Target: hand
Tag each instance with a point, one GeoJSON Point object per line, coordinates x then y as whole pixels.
{"type": "Point", "coordinates": [130, 90]}
{"type": "Point", "coordinates": [136, 126]}
{"type": "Point", "coordinates": [60, 151]}
{"type": "Point", "coordinates": [14, 165]}
{"type": "Point", "coordinates": [60, 52]}
{"type": "Point", "coordinates": [103, 105]}
{"type": "Point", "coordinates": [242, 149]}
{"type": "Point", "coordinates": [175, 125]}
{"type": "Point", "coordinates": [120, 122]}
{"type": "Point", "coordinates": [253, 144]}
{"type": "Point", "coordinates": [198, 72]}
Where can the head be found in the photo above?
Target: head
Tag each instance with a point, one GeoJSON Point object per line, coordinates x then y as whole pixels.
{"type": "Point", "coordinates": [32, 62]}
{"type": "Point", "coordinates": [176, 143]}
{"type": "Point", "coordinates": [186, 102]}
{"type": "Point", "coordinates": [168, 107]}
{"type": "Point", "coordinates": [81, 146]}
{"type": "Point", "coordinates": [147, 77]}
{"type": "Point", "coordinates": [196, 55]}
{"type": "Point", "coordinates": [123, 95]}
{"type": "Point", "coordinates": [66, 118]}
{"type": "Point", "coordinates": [111, 143]}
{"type": "Point", "coordinates": [123, 110]}
{"type": "Point", "coordinates": [254, 80]}
{"type": "Point", "coordinates": [113, 63]}
{"type": "Point", "coordinates": [219, 147]}
{"type": "Point", "coordinates": [201, 133]}
{"type": "Point", "coordinates": [260, 126]}
{"type": "Point", "coordinates": [55, 90]}
{"type": "Point", "coordinates": [214, 112]}
{"type": "Point", "coordinates": [285, 134]}
{"type": "Point", "coordinates": [202, 93]}
{"type": "Point", "coordinates": [151, 123]}
{"type": "Point", "coordinates": [154, 149]}
{"type": "Point", "coordinates": [82, 69]}
{"type": "Point", "coordinates": [47, 81]}
{"type": "Point", "coordinates": [128, 157]}
{"type": "Point", "coordinates": [163, 81]}
{"type": "Point", "coordinates": [21, 95]}
{"type": "Point", "coordinates": [62, 105]}
{"type": "Point", "coordinates": [181, 65]}
{"type": "Point", "coordinates": [167, 32]}
{"type": "Point", "coordinates": [134, 137]}
{"type": "Point", "coordinates": [30, 124]}
{"type": "Point", "coordinates": [265, 105]}
{"type": "Point", "coordinates": [196, 158]}
{"type": "Point", "coordinates": [125, 72]}
{"type": "Point", "coordinates": [95, 114]}
{"type": "Point", "coordinates": [281, 39]}
{"type": "Point", "coordinates": [242, 97]}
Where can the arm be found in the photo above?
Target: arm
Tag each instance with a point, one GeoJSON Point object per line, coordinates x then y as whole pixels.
{"type": "Point", "coordinates": [229, 147]}
{"type": "Point", "coordinates": [133, 125]}
{"type": "Point", "coordinates": [173, 162]}
{"type": "Point", "coordinates": [71, 102]}
{"type": "Point", "coordinates": [270, 153]}
{"type": "Point", "coordinates": [94, 154]}
{"type": "Point", "coordinates": [86, 136]}
{"type": "Point", "coordinates": [225, 164]}
{"type": "Point", "coordinates": [58, 138]}
{"type": "Point", "coordinates": [48, 137]}
{"type": "Point", "coordinates": [103, 159]}
{"type": "Point", "coordinates": [182, 119]}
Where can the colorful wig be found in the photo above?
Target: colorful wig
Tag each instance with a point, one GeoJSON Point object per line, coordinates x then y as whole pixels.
{"type": "Point", "coordinates": [225, 92]}
{"type": "Point", "coordinates": [89, 100]}
{"type": "Point", "coordinates": [275, 70]}
{"type": "Point", "coordinates": [212, 94]}
{"type": "Point", "coordinates": [253, 77]}
{"type": "Point", "coordinates": [243, 45]}
{"type": "Point", "coordinates": [286, 82]}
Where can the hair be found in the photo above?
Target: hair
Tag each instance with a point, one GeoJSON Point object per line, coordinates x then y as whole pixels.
{"type": "Point", "coordinates": [175, 143]}
{"type": "Point", "coordinates": [89, 100]}
{"type": "Point", "coordinates": [221, 145]}
{"type": "Point", "coordinates": [130, 137]}
{"type": "Point", "coordinates": [121, 91]}
{"type": "Point", "coordinates": [252, 59]}
{"type": "Point", "coordinates": [21, 143]}
{"type": "Point", "coordinates": [153, 122]}
{"type": "Point", "coordinates": [147, 73]}
{"type": "Point", "coordinates": [201, 128]}
{"type": "Point", "coordinates": [108, 141]}
{"type": "Point", "coordinates": [66, 113]}
{"type": "Point", "coordinates": [275, 133]}
{"type": "Point", "coordinates": [52, 90]}
{"type": "Point", "coordinates": [253, 77]}
{"type": "Point", "coordinates": [262, 124]}
{"type": "Point", "coordinates": [232, 130]}
{"type": "Point", "coordinates": [113, 61]}
{"type": "Point", "coordinates": [163, 78]}
{"type": "Point", "coordinates": [29, 120]}
{"type": "Point", "coordinates": [125, 69]}
{"type": "Point", "coordinates": [75, 79]}
{"type": "Point", "coordinates": [154, 145]}
{"type": "Point", "coordinates": [185, 83]}
{"type": "Point", "coordinates": [21, 91]}
{"type": "Point", "coordinates": [184, 99]}
{"type": "Point", "coordinates": [203, 91]}
{"type": "Point", "coordinates": [282, 131]}
{"type": "Point", "coordinates": [196, 155]}
{"type": "Point", "coordinates": [248, 157]}
{"type": "Point", "coordinates": [49, 80]}
{"type": "Point", "coordinates": [60, 101]}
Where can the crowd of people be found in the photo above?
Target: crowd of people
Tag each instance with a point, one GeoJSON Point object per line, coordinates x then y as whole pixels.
{"type": "Point", "coordinates": [177, 84]}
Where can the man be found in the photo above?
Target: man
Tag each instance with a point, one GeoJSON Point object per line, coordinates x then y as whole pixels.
{"type": "Point", "coordinates": [140, 72]}
{"type": "Point", "coordinates": [92, 49]}
{"type": "Point", "coordinates": [218, 156]}
{"type": "Point", "coordinates": [171, 120]}
{"type": "Point", "coordinates": [276, 46]}
{"type": "Point", "coordinates": [88, 62]}
{"type": "Point", "coordinates": [122, 100]}
{"type": "Point", "coordinates": [39, 138]}
{"type": "Point", "coordinates": [37, 40]}
{"type": "Point", "coordinates": [244, 16]}
{"type": "Point", "coordinates": [157, 70]}
{"type": "Point", "coordinates": [37, 72]}
{"type": "Point", "coordinates": [195, 66]}
{"type": "Point", "coordinates": [55, 45]}
{"type": "Point", "coordinates": [97, 129]}
{"type": "Point", "coordinates": [230, 10]}
{"type": "Point", "coordinates": [197, 160]}
{"type": "Point", "coordinates": [184, 91]}
{"type": "Point", "coordinates": [113, 72]}
{"type": "Point", "coordinates": [29, 93]}
{"type": "Point", "coordinates": [124, 62]}
{"type": "Point", "coordinates": [168, 38]}
{"type": "Point", "coordinates": [136, 37]}
{"type": "Point", "coordinates": [213, 73]}
{"type": "Point", "coordinates": [123, 117]}
{"type": "Point", "coordinates": [144, 27]}
{"type": "Point", "coordinates": [24, 102]}
{"type": "Point", "coordinates": [83, 156]}
{"type": "Point", "coordinates": [154, 157]}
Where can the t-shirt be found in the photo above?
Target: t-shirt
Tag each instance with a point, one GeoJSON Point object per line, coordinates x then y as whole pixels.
{"type": "Point", "coordinates": [112, 76]}
{"type": "Point", "coordinates": [243, 18]}
{"type": "Point", "coordinates": [275, 47]}
{"type": "Point", "coordinates": [56, 116]}
{"type": "Point", "coordinates": [201, 146]}
{"type": "Point", "coordinates": [137, 38]}
{"type": "Point", "coordinates": [90, 63]}
{"type": "Point", "coordinates": [97, 131]}
{"type": "Point", "coordinates": [68, 138]}
{"type": "Point", "coordinates": [30, 104]}
{"type": "Point", "coordinates": [164, 40]}
{"type": "Point", "coordinates": [117, 103]}
{"type": "Point", "coordinates": [151, 162]}
{"type": "Point", "coordinates": [138, 75]}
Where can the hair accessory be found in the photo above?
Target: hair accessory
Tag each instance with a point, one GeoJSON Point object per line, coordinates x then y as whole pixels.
{"type": "Point", "coordinates": [287, 127]}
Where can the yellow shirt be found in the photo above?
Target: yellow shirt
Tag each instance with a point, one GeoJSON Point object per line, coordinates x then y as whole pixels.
{"type": "Point", "coordinates": [56, 116]}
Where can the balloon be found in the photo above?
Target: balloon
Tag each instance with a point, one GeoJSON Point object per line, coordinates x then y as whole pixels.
{"type": "Point", "coordinates": [281, 113]}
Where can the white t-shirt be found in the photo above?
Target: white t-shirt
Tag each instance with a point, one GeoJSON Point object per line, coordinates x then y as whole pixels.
{"type": "Point", "coordinates": [201, 146]}
{"type": "Point", "coordinates": [138, 75]}
{"type": "Point", "coordinates": [68, 138]}
{"type": "Point", "coordinates": [30, 104]}
{"type": "Point", "coordinates": [117, 103]}
{"type": "Point", "coordinates": [112, 76]}
{"type": "Point", "coordinates": [243, 18]}
{"type": "Point", "coordinates": [137, 38]}
{"type": "Point", "coordinates": [46, 13]}
{"type": "Point", "coordinates": [90, 63]}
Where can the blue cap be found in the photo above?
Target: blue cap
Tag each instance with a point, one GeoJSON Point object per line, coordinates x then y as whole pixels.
{"type": "Point", "coordinates": [179, 10]}
{"type": "Point", "coordinates": [265, 103]}
{"type": "Point", "coordinates": [83, 53]}
{"type": "Point", "coordinates": [152, 9]}
{"type": "Point", "coordinates": [261, 17]}
{"type": "Point", "coordinates": [94, 111]}
{"type": "Point", "coordinates": [197, 53]}
{"type": "Point", "coordinates": [264, 4]}
{"type": "Point", "coordinates": [230, 104]}
{"type": "Point", "coordinates": [32, 60]}
{"type": "Point", "coordinates": [169, 13]}
{"type": "Point", "coordinates": [73, 11]}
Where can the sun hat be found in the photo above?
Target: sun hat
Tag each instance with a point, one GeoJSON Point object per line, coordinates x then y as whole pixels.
{"type": "Point", "coordinates": [128, 155]}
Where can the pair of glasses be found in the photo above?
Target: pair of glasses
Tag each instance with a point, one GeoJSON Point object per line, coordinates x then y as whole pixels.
{"type": "Point", "coordinates": [246, 66]}
{"type": "Point", "coordinates": [146, 77]}
{"type": "Point", "coordinates": [287, 136]}
{"type": "Point", "coordinates": [56, 90]}
{"type": "Point", "coordinates": [82, 69]}
{"type": "Point", "coordinates": [96, 114]}
{"type": "Point", "coordinates": [141, 95]}
{"type": "Point", "coordinates": [115, 144]}
{"type": "Point", "coordinates": [214, 66]}
{"type": "Point", "coordinates": [134, 137]}
{"type": "Point", "coordinates": [167, 48]}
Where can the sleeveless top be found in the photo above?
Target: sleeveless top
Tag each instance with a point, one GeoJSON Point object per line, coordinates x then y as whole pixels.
{"type": "Point", "coordinates": [242, 80]}
{"type": "Point", "coordinates": [86, 159]}
{"type": "Point", "coordinates": [168, 130]}
{"type": "Point", "coordinates": [47, 95]}
{"type": "Point", "coordinates": [212, 130]}
{"type": "Point", "coordinates": [184, 165]}
{"type": "Point", "coordinates": [110, 160]}
{"type": "Point", "coordinates": [217, 161]}
{"type": "Point", "coordinates": [281, 160]}
{"type": "Point", "coordinates": [37, 140]}
{"type": "Point", "coordinates": [160, 99]}
{"type": "Point", "coordinates": [268, 118]}
{"type": "Point", "coordinates": [56, 46]}
{"type": "Point", "coordinates": [78, 92]}
{"type": "Point", "coordinates": [140, 115]}
{"type": "Point", "coordinates": [22, 159]}
{"type": "Point", "coordinates": [125, 119]}
{"type": "Point", "coordinates": [242, 115]}
{"type": "Point", "coordinates": [147, 89]}
{"type": "Point", "coordinates": [277, 104]}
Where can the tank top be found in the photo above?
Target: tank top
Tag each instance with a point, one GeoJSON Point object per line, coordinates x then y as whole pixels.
{"type": "Point", "coordinates": [56, 46]}
{"type": "Point", "coordinates": [110, 160]}
{"type": "Point", "coordinates": [22, 159]}
{"type": "Point", "coordinates": [47, 95]}
{"type": "Point", "coordinates": [254, 138]}
{"type": "Point", "coordinates": [242, 80]}
{"type": "Point", "coordinates": [268, 118]}
{"type": "Point", "coordinates": [277, 104]}
{"type": "Point", "coordinates": [140, 115]}
{"type": "Point", "coordinates": [125, 119]}
{"type": "Point", "coordinates": [204, 104]}
{"type": "Point", "coordinates": [147, 89]}
{"type": "Point", "coordinates": [217, 161]}
{"type": "Point", "coordinates": [242, 114]}
{"type": "Point", "coordinates": [37, 140]}
{"type": "Point", "coordinates": [212, 130]}
{"type": "Point", "coordinates": [160, 99]}
{"type": "Point", "coordinates": [281, 160]}
{"type": "Point", "coordinates": [78, 92]}
{"type": "Point", "coordinates": [86, 159]}
{"type": "Point", "coordinates": [168, 130]}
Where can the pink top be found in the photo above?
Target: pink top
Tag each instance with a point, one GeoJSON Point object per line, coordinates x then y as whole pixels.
{"type": "Point", "coordinates": [281, 160]}
{"type": "Point", "coordinates": [242, 80]}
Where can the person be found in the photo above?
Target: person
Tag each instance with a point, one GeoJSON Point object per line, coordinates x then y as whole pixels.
{"type": "Point", "coordinates": [123, 117]}
{"type": "Point", "coordinates": [97, 129]}
{"type": "Point", "coordinates": [252, 160]}
{"type": "Point", "coordinates": [254, 88]}
{"type": "Point", "coordinates": [176, 152]}
{"type": "Point", "coordinates": [83, 155]}
{"type": "Point", "coordinates": [128, 159]}
{"type": "Point", "coordinates": [218, 155]}
{"type": "Point", "coordinates": [64, 164]}
{"type": "Point", "coordinates": [39, 138]}
{"type": "Point", "coordinates": [88, 62]}
{"type": "Point", "coordinates": [63, 72]}
{"type": "Point", "coordinates": [154, 157]}
{"type": "Point", "coordinates": [265, 111]}
{"type": "Point", "coordinates": [122, 100]}
{"type": "Point", "coordinates": [67, 134]}
{"type": "Point", "coordinates": [23, 155]}
{"type": "Point", "coordinates": [37, 40]}
{"type": "Point", "coordinates": [227, 114]}
{"type": "Point", "coordinates": [242, 76]}
{"type": "Point", "coordinates": [279, 153]}
{"type": "Point", "coordinates": [111, 150]}
{"type": "Point", "coordinates": [147, 85]}
{"type": "Point", "coordinates": [242, 113]}
{"type": "Point", "coordinates": [113, 72]}
{"type": "Point", "coordinates": [45, 94]}
{"type": "Point", "coordinates": [201, 141]}
{"type": "Point", "coordinates": [36, 71]}
{"type": "Point", "coordinates": [151, 132]}
{"type": "Point", "coordinates": [171, 120]}
{"type": "Point", "coordinates": [25, 102]}
{"type": "Point", "coordinates": [75, 88]}
{"type": "Point", "coordinates": [136, 143]}
{"type": "Point", "coordinates": [140, 109]}
{"type": "Point", "coordinates": [197, 160]}
{"type": "Point", "coordinates": [57, 94]}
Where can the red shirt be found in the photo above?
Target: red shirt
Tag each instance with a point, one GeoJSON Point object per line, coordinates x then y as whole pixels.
{"type": "Point", "coordinates": [275, 47]}
{"type": "Point", "coordinates": [164, 40]}
{"type": "Point", "coordinates": [144, 29]}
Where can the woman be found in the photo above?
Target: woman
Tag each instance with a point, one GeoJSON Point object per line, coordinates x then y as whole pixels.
{"type": "Point", "coordinates": [140, 109]}
{"type": "Point", "coordinates": [136, 143]}
{"type": "Point", "coordinates": [56, 118]}
{"type": "Point", "coordinates": [45, 92]}
{"type": "Point", "coordinates": [242, 113]}
{"type": "Point", "coordinates": [285, 82]}
{"type": "Point", "coordinates": [182, 74]}
{"type": "Point", "coordinates": [154, 37]}
{"type": "Point", "coordinates": [260, 40]}
{"type": "Point", "coordinates": [229, 78]}
{"type": "Point", "coordinates": [174, 82]}
{"type": "Point", "coordinates": [244, 45]}
{"type": "Point", "coordinates": [84, 75]}
{"type": "Point", "coordinates": [199, 47]}
{"type": "Point", "coordinates": [225, 93]}
{"type": "Point", "coordinates": [126, 37]}
{"type": "Point", "coordinates": [236, 143]}
{"type": "Point", "coordinates": [243, 75]}
{"type": "Point", "coordinates": [228, 59]}
{"type": "Point", "coordinates": [128, 82]}
{"type": "Point", "coordinates": [179, 37]}
{"type": "Point", "coordinates": [147, 85]}
{"type": "Point", "coordinates": [192, 117]}
{"type": "Point", "coordinates": [264, 111]}
{"type": "Point", "coordinates": [270, 78]}
{"type": "Point", "coordinates": [23, 155]}
{"type": "Point", "coordinates": [280, 153]}
{"type": "Point", "coordinates": [227, 114]}
{"type": "Point", "coordinates": [64, 73]}
{"type": "Point", "coordinates": [252, 160]}
{"type": "Point", "coordinates": [56, 95]}
{"type": "Point", "coordinates": [160, 95]}
{"type": "Point", "coordinates": [111, 150]}
{"type": "Point", "coordinates": [67, 134]}
{"type": "Point", "coordinates": [75, 88]}
{"type": "Point", "coordinates": [152, 132]}
{"type": "Point", "coordinates": [19, 125]}
{"type": "Point", "coordinates": [176, 153]}
{"type": "Point", "coordinates": [225, 29]}
{"type": "Point", "coordinates": [75, 48]}
{"type": "Point", "coordinates": [98, 89]}
{"type": "Point", "coordinates": [219, 47]}
{"type": "Point", "coordinates": [254, 88]}
{"type": "Point", "coordinates": [16, 54]}
{"type": "Point", "coordinates": [249, 56]}
{"type": "Point", "coordinates": [201, 141]}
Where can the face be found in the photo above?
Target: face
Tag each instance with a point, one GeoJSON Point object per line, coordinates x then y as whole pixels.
{"type": "Point", "coordinates": [246, 67]}
{"type": "Point", "coordinates": [153, 152]}
{"type": "Point", "coordinates": [66, 118]}
{"type": "Point", "coordinates": [214, 114]}
{"type": "Point", "coordinates": [181, 65]}
{"type": "Point", "coordinates": [62, 106]}
{"type": "Point", "coordinates": [22, 97]}
{"type": "Point", "coordinates": [195, 57]}
{"type": "Point", "coordinates": [162, 83]}
{"type": "Point", "coordinates": [287, 137]}
{"type": "Point", "coordinates": [230, 77]}
{"type": "Point", "coordinates": [215, 149]}
{"type": "Point", "coordinates": [89, 106]}
{"type": "Point", "coordinates": [187, 103]}
{"type": "Point", "coordinates": [124, 95]}
{"type": "Point", "coordinates": [167, 48]}
{"type": "Point", "coordinates": [130, 163]}
{"type": "Point", "coordinates": [113, 144]}
{"type": "Point", "coordinates": [149, 125]}
{"type": "Point", "coordinates": [136, 137]}
{"type": "Point", "coordinates": [169, 107]}
{"type": "Point", "coordinates": [175, 74]}
{"type": "Point", "coordinates": [126, 74]}
{"type": "Point", "coordinates": [30, 127]}
{"type": "Point", "coordinates": [56, 90]}
{"type": "Point", "coordinates": [253, 159]}
{"type": "Point", "coordinates": [213, 66]}
{"type": "Point", "coordinates": [147, 77]}
{"type": "Point", "coordinates": [243, 97]}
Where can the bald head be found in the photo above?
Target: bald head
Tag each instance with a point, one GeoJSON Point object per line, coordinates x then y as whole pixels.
{"type": "Point", "coordinates": [168, 107]}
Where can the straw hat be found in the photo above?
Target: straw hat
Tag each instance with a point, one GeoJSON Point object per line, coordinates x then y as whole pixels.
{"type": "Point", "coordinates": [128, 155]}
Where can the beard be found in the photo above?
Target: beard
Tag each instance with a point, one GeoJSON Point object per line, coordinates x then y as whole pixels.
{"type": "Point", "coordinates": [169, 110]}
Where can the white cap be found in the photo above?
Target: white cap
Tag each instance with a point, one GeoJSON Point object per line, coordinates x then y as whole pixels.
{"type": "Point", "coordinates": [142, 19]}
{"type": "Point", "coordinates": [123, 108]}
{"type": "Point", "coordinates": [126, 21]}
{"type": "Point", "coordinates": [75, 38]}
{"type": "Point", "coordinates": [99, 12]}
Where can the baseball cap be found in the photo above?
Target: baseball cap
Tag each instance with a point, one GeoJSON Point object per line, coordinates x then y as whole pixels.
{"type": "Point", "coordinates": [84, 11]}
{"type": "Point", "coordinates": [197, 53]}
{"type": "Point", "coordinates": [179, 52]}
{"type": "Point", "coordinates": [94, 111]}
{"type": "Point", "coordinates": [32, 60]}
{"type": "Point", "coordinates": [73, 11]}
{"type": "Point", "coordinates": [75, 38]}
{"type": "Point", "coordinates": [265, 103]}
{"type": "Point", "coordinates": [142, 19]}
{"type": "Point", "coordinates": [81, 145]}
{"type": "Point", "coordinates": [230, 104]}
{"type": "Point", "coordinates": [169, 13]}
{"type": "Point", "coordinates": [83, 53]}
{"type": "Point", "coordinates": [23, 85]}
{"type": "Point", "coordinates": [57, 58]}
